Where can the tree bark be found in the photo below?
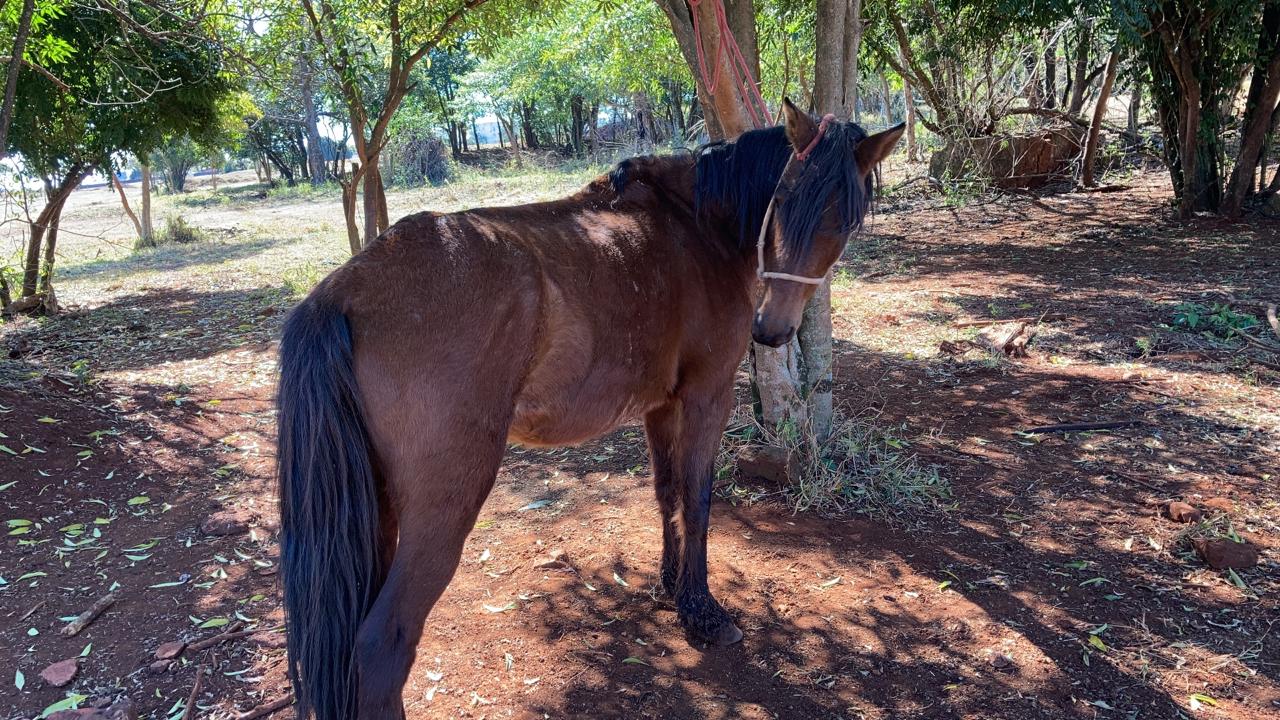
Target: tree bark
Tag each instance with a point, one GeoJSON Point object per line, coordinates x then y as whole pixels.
{"type": "Point", "coordinates": [15, 67]}
{"type": "Point", "coordinates": [1079, 81]}
{"type": "Point", "coordinates": [124, 201]}
{"type": "Point", "coordinates": [1264, 91]}
{"type": "Point", "coordinates": [1051, 73]}
{"type": "Point", "coordinates": [909, 101]}
{"type": "Point", "coordinates": [852, 48]}
{"type": "Point", "coordinates": [311, 117]}
{"type": "Point", "coordinates": [724, 111]}
{"type": "Point", "coordinates": [1135, 110]}
{"type": "Point", "coordinates": [148, 230]}
{"type": "Point", "coordinates": [828, 61]}
{"type": "Point", "coordinates": [56, 197]}
{"type": "Point", "coordinates": [1099, 113]}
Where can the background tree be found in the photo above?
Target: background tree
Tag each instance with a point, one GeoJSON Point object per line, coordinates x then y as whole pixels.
{"type": "Point", "coordinates": [76, 124]}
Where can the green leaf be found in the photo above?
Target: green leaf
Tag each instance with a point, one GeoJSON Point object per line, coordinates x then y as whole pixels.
{"type": "Point", "coordinates": [6, 448]}
{"type": "Point", "coordinates": [139, 500]}
{"type": "Point", "coordinates": [214, 623]}
{"type": "Point", "coordinates": [1096, 641]}
{"type": "Point", "coordinates": [87, 649]}
{"type": "Point", "coordinates": [70, 702]}
{"type": "Point", "coordinates": [633, 660]}
{"type": "Point", "coordinates": [19, 680]}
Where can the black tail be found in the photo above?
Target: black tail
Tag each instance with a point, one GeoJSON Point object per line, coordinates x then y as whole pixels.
{"type": "Point", "coordinates": [329, 551]}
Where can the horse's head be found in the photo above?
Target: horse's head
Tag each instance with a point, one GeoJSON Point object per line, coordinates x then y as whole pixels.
{"type": "Point", "coordinates": [820, 200]}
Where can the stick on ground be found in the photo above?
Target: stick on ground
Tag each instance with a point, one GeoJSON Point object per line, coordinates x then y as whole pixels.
{"type": "Point", "coordinates": [265, 710]}
{"type": "Point", "coordinates": [188, 712]}
{"type": "Point", "coordinates": [88, 616]}
{"type": "Point", "coordinates": [1084, 426]}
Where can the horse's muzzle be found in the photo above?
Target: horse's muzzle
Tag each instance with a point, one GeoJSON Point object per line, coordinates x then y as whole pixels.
{"type": "Point", "coordinates": [772, 338]}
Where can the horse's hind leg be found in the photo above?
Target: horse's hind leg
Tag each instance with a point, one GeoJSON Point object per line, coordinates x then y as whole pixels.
{"type": "Point", "coordinates": [662, 428]}
{"type": "Point", "coordinates": [438, 494]}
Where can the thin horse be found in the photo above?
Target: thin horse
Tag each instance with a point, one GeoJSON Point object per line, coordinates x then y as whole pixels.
{"type": "Point", "coordinates": [406, 372]}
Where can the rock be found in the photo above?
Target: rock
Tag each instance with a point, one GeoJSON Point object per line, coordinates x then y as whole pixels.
{"type": "Point", "coordinates": [122, 710]}
{"type": "Point", "coordinates": [1222, 553]}
{"type": "Point", "coordinates": [1182, 512]}
{"type": "Point", "coordinates": [224, 522]}
{"type": "Point", "coordinates": [61, 673]}
{"type": "Point", "coordinates": [1220, 504]}
{"type": "Point", "coordinates": [160, 666]}
{"type": "Point", "coordinates": [170, 650]}
{"type": "Point", "coordinates": [1002, 661]}
{"type": "Point", "coordinates": [556, 559]}
{"type": "Point", "coordinates": [767, 463]}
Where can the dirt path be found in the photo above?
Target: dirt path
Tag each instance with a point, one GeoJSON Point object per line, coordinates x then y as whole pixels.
{"type": "Point", "coordinates": [1052, 587]}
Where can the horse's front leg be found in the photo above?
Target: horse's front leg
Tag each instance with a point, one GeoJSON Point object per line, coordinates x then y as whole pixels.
{"type": "Point", "coordinates": [702, 419]}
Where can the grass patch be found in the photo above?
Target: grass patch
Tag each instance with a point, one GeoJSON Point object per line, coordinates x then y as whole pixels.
{"type": "Point", "coordinates": [863, 467]}
{"type": "Point", "coordinates": [176, 231]}
{"type": "Point", "coordinates": [300, 279]}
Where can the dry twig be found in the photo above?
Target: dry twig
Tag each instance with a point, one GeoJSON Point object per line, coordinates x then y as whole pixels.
{"type": "Point", "coordinates": [88, 616]}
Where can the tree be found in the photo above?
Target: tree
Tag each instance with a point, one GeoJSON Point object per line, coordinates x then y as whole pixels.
{"type": "Point", "coordinates": [172, 77]}
{"type": "Point", "coordinates": [374, 76]}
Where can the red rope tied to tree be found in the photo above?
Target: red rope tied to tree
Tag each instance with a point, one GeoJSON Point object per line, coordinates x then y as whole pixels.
{"type": "Point", "coordinates": [746, 85]}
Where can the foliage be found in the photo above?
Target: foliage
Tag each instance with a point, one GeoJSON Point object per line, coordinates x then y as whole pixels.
{"type": "Point", "coordinates": [176, 231]}
{"type": "Point", "coordinates": [124, 92]}
{"type": "Point", "coordinates": [1218, 319]}
{"type": "Point", "coordinates": [173, 161]}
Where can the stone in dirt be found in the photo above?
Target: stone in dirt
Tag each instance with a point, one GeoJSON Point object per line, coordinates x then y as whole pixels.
{"type": "Point", "coordinates": [1182, 512]}
{"type": "Point", "coordinates": [122, 710]}
{"type": "Point", "coordinates": [552, 560]}
{"type": "Point", "coordinates": [160, 666]}
{"type": "Point", "coordinates": [1220, 504]}
{"type": "Point", "coordinates": [223, 523]}
{"type": "Point", "coordinates": [61, 673]}
{"type": "Point", "coordinates": [1221, 554]}
{"type": "Point", "coordinates": [170, 650]}
{"type": "Point", "coordinates": [770, 464]}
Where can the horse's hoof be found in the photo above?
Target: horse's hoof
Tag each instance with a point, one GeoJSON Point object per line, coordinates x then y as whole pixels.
{"type": "Point", "coordinates": [723, 634]}
{"type": "Point", "coordinates": [726, 635]}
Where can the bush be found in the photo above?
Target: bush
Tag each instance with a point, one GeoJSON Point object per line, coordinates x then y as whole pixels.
{"type": "Point", "coordinates": [176, 231]}
{"type": "Point", "coordinates": [420, 158]}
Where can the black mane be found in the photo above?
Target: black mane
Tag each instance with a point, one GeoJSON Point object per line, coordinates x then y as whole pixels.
{"type": "Point", "coordinates": [741, 176]}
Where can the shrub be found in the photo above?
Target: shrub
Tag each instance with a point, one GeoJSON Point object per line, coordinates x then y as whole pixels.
{"type": "Point", "coordinates": [176, 231]}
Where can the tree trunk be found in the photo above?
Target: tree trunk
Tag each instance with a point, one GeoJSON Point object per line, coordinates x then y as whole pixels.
{"type": "Point", "coordinates": [370, 200]}
{"type": "Point", "coordinates": [909, 100]}
{"type": "Point", "coordinates": [1078, 82]}
{"type": "Point", "coordinates": [852, 47]}
{"type": "Point", "coordinates": [724, 110]}
{"type": "Point", "coordinates": [1051, 73]}
{"type": "Point", "coordinates": [311, 117]}
{"type": "Point", "coordinates": [56, 197]}
{"type": "Point", "coordinates": [1135, 110]}
{"type": "Point", "coordinates": [1264, 91]}
{"type": "Point", "coordinates": [1099, 114]}
{"type": "Point", "coordinates": [124, 201]}
{"type": "Point", "coordinates": [887, 106]}
{"type": "Point", "coordinates": [148, 229]}
{"type": "Point", "coordinates": [828, 61]}
{"type": "Point", "coordinates": [15, 67]}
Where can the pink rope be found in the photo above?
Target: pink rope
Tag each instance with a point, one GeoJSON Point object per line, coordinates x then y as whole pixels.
{"type": "Point", "coordinates": [747, 87]}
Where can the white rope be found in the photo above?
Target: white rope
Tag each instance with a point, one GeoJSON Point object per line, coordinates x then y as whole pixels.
{"type": "Point", "coordinates": [769, 275]}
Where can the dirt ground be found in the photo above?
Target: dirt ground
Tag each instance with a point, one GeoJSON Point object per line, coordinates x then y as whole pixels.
{"type": "Point", "coordinates": [136, 459]}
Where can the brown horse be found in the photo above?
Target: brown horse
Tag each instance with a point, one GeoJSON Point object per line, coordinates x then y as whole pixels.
{"type": "Point", "coordinates": [407, 371]}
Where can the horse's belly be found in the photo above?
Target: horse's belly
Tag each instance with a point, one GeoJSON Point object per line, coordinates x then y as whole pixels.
{"type": "Point", "coordinates": [563, 416]}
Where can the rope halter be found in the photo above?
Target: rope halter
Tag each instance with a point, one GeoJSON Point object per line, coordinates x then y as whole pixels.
{"type": "Point", "coordinates": [802, 156]}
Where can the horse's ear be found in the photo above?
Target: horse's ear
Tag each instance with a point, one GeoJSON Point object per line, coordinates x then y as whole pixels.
{"type": "Point", "coordinates": [801, 129]}
{"type": "Point", "coordinates": [877, 147]}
